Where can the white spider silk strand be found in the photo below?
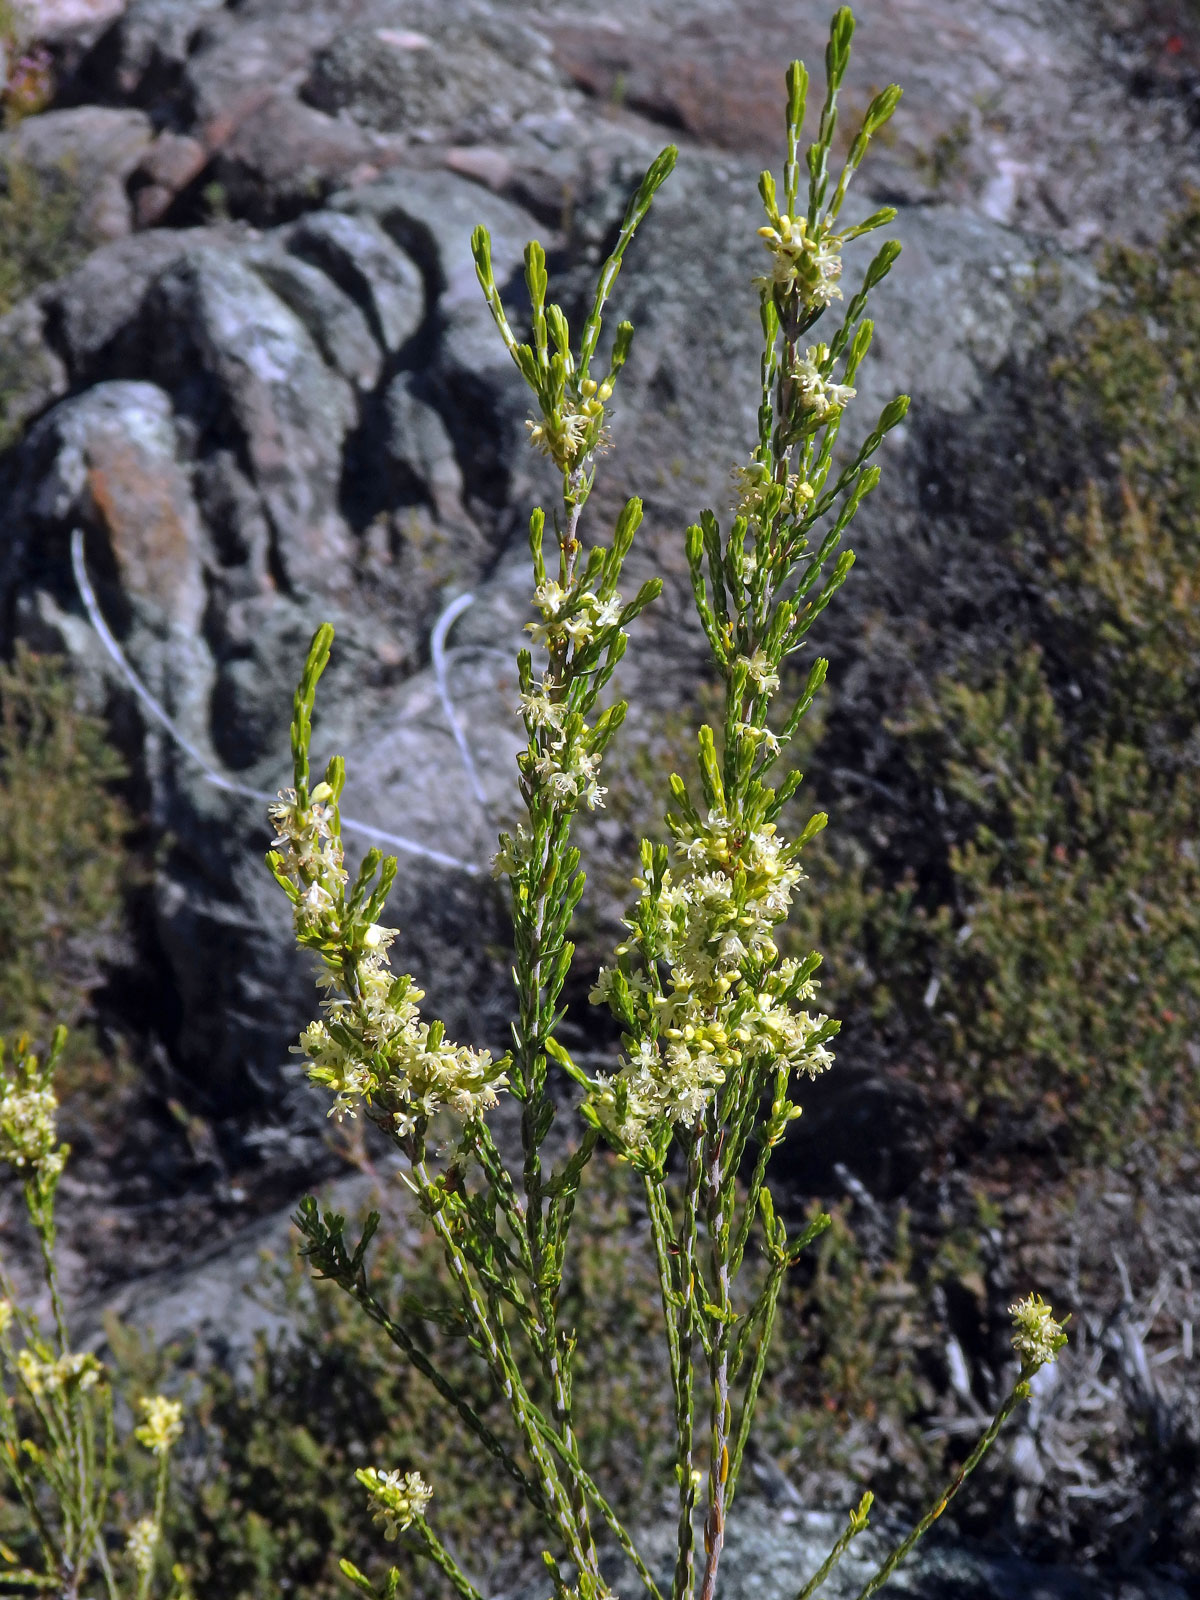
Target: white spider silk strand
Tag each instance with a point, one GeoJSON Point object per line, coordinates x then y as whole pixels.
{"type": "Point", "coordinates": [437, 651]}
{"type": "Point", "coordinates": [378, 835]}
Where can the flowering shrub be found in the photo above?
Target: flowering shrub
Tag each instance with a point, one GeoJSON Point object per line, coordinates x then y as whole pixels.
{"type": "Point", "coordinates": [715, 1021]}
{"type": "Point", "coordinates": [57, 1434]}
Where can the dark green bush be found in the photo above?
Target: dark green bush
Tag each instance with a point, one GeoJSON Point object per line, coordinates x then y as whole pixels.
{"type": "Point", "coordinates": [39, 236]}
{"type": "Point", "coordinates": [271, 1509]}
{"type": "Point", "coordinates": [1044, 970]}
{"type": "Point", "coordinates": [65, 861]}
{"type": "Point", "coordinates": [1061, 985]}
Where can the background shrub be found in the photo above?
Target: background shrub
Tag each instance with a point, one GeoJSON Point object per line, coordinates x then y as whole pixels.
{"type": "Point", "coordinates": [65, 860]}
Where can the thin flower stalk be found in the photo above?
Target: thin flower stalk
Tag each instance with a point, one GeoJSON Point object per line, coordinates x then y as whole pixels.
{"type": "Point", "coordinates": [1035, 1347]}
{"type": "Point", "coordinates": [856, 1524]}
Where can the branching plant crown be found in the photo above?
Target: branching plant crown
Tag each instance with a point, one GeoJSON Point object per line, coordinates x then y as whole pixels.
{"type": "Point", "coordinates": [717, 1025]}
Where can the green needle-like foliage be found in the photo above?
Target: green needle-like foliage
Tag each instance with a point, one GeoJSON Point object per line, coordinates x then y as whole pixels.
{"type": "Point", "coordinates": [715, 1020]}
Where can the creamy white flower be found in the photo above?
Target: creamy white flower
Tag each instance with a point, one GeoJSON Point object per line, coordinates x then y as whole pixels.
{"type": "Point", "coordinates": [28, 1126]}
{"type": "Point", "coordinates": [316, 900]}
{"type": "Point", "coordinates": [701, 933]}
{"type": "Point", "coordinates": [1037, 1335]}
{"type": "Point", "coordinates": [564, 435]}
{"type": "Point", "coordinates": [602, 988]}
{"type": "Point", "coordinates": [607, 612]}
{"type": "Point", "coordinates": [77, 1370]}
{"type": "Point", "coordinates": [395, 1498]}
{"type": "Point", "coordinates": [751, 483]}
{"type": "Point", "coordinates": [540, 711]}
{"type": "Point", "coordinates": [550, 597]}
{"type": "Point", "coordinates": [163, 1423]}
{"type": "Point", "coordinates": [580, 628]}
{"type": "Point", "coordinates": [760, 736]}
{"type": "Point", "coordinates": [760, 671]}
{"type": "Point", "coordinates": [819, 395]}
{"type": "Point", "coordinates": [371, 1044]}
{"type": "Point", "coordinates": [305, 839]}
{"type": "Point", "coordinates": [805, 262]}
{"type": "Point", "coordinates": [513, 854]}
{"type": "Point", "coordinates": [141, 1545]}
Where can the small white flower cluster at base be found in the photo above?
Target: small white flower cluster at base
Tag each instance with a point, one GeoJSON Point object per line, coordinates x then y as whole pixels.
{"type": "Point", "coordinates": [820, 397]}
{"type": "Point", "coordinates": [28, 1115]}
{"type": "Point", "coordinates": [806, 261]}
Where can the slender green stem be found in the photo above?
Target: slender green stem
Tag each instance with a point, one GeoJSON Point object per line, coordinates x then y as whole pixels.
{"type": "Point", "coordinates": [562, 1204]}
{"type": "Point", "coordinates": [542, 1331]}
{"type": "Point", "coordinates": [684, 1579]}
{"type": "Point", "coordinates": [855, 1526]}
{"type": "Point", "coordinates": [720, 1414]}
{"type": "Point", "coordinates": [579, 1535]}
{"type": "Point", "coordinates": [102, 1481]}
{"type": "Point", "coordinates": [41, 1214]}
{"type": "Point", "coordinates": [110, 1578]}
{"type": "Point", "coordinates": [436, 1551]}
{"type": "Point", "coordinates": [750, 1401]}
{"type": "Point", "coordinates": [615, 1526]}
{"type": "Point", "coordinates": [508, 1378]}
{"type": "Point", "coordinates": [554, 1362]}
{"type": "Point", "coordinates": [661, 1236]}
{"type": "Point", "coordinates": [500, 1180]}
{"type": "Point", "coordinates": [160, 1508]}
{"type": "Point", "coordinates": [1020, 1392]}
{"type": "Point", "coordinates": [758, 1178]}
{"type": "Point", "coordinates": [83, 1463]}
{"type": "Point", "coordinates": [12, 1461]}
{"type": "Point", "coordinates": [401, 1338]}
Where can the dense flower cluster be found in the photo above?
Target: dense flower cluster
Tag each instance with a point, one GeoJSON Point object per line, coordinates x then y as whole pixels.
{"type": "Point", "coordinates": [141, 1545]}
{"type": "Point", "coordinates": [806, 262]}
{"type": "Point", "coordinates": [75, 1372]}
{"type": "Point", "coordinates": [28, 1129]}
{"type": "Point", "coordinates": [559, 759]}
{"type": "Point", "coordinates": [163, 1425]}
{"type": "Point", "coordinates": [562, 759]}
{"type": "Point", "coordinates": [577, 617]}
{"type": "Point", "coordinates": [819, 398]}
{"type": "Point", "coordinates": [310, 851]}
{"type": "Point", "coordinates": [1037, 1335]}
{"type": "Point", "coordinates": [753, 483]}
{"type": "Point", "coordinates": [396, 1498]}
{"type": "Point", "coordinates": [380, 1024]}
{"type": "Point", "coordinates": [574, 429]}
{"type": "Point", "coordinates": [71, 1372]}
{"type": "Point", "coordinates": [727, 997]}
{"type": "Point", "coordinates": [371, 1045]}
